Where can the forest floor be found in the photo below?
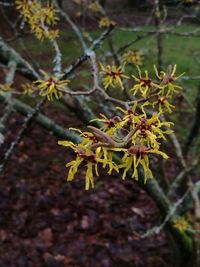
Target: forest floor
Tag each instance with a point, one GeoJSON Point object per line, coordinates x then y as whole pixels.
{"type": "Point", "coordinates": [45, 221]}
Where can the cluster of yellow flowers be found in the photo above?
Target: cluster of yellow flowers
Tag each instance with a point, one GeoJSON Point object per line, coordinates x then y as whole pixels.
{"type": "Point", "coordinates": [135, 57]}
{"type": "Point", "coordinates": [134, 135]}
{"type": "Point", "coordinates": [159, 90]}
{"type": "Point", "coordinates": [39, 18]}
{"type": "Point", "coordinates": [7, 87]}
{"type": "Point", "coordinates": [105, 22]}
{"type": "Point", "coordinates": [95, 7]}
{"type": "Point", "coordinates": [27, 88]}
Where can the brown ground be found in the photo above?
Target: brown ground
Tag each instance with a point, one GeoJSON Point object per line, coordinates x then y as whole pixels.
{"type": "Point", "coordinates": [45, 221]}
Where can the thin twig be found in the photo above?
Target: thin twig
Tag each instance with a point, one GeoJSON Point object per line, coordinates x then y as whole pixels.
{"type": "Point", "coordinates": [96, 43]}
{"type": "Point", "coordinates": [193, 132]}
{"type": "Point", "coordinates": [177, 181]}
{"type": "Point", "coordinates": [74, 27]}
{"type": "Point", "coordinates": [20, 134]}
{"type": "Point", "coordinates": [156, 230]}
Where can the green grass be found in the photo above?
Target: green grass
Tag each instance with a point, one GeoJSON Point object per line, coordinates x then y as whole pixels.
{"type": "Point", "coordinates": [180, 50]}
{"type": "Point", "coordinates": [183, 51]}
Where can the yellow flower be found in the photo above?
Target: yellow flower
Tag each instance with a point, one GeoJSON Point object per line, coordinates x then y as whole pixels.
{"type": "Point", "coordinates": [51, 86]}
{"type": "Point", "coordinates": [149, 131]}
{"type": "Point", "coordinates": [167, 80]}
{"type": "Point", "coordinates": [27, 88]}
{"type": "Point", "coordinates": [181, 224]}
{"type": "Point", "coordinates": [25, 6]}
{"type": "Point", "coordinates": [188, 1]}
{"type": "Point", "coordinates": [49, 15]}
{"type": "Point", "coordinates": [86, 34]}
{"type": "Point", "coordinates": [90, 159]}
{"type": "Point", "coordinates": [88, 138]}
{"type": "Point", "coordinates": [144, 84]}
{"type": "Point", "coordinates": [133, 57]}
{"type": "Point", "coordinates": [52, 34]}
{"type": "Point", "coordinates": [78, 14]}
{"type": "Point", "coordinates": [90, 165]}
{"type": "Point", "coordinates": [84, 155]}
{"type": "Point", "coordinates": [110, 125]}
{"type": "Point", "coordinates": [78, 2]}
{"type": "Point", "coordinates": [39, 17]}
{"type": "Point", "coordinates": [95, 7]}
{"type": "Point", "coordinates": [138, 154]}
{"type": "Point", "coordinates": [41, 34]}
{"type": "Point", "coordinates": [162, 103]}
{"type": "Point", "coordinates": [113, 76]}
{"type": "Point", "coordinates": [106, 155]}
{"type": "Point", "coordinates": [130, 115]}
{"type": "Point", "coordinates": [7, 87]}
{"type": "Point", "coordinates": [105, 22]}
